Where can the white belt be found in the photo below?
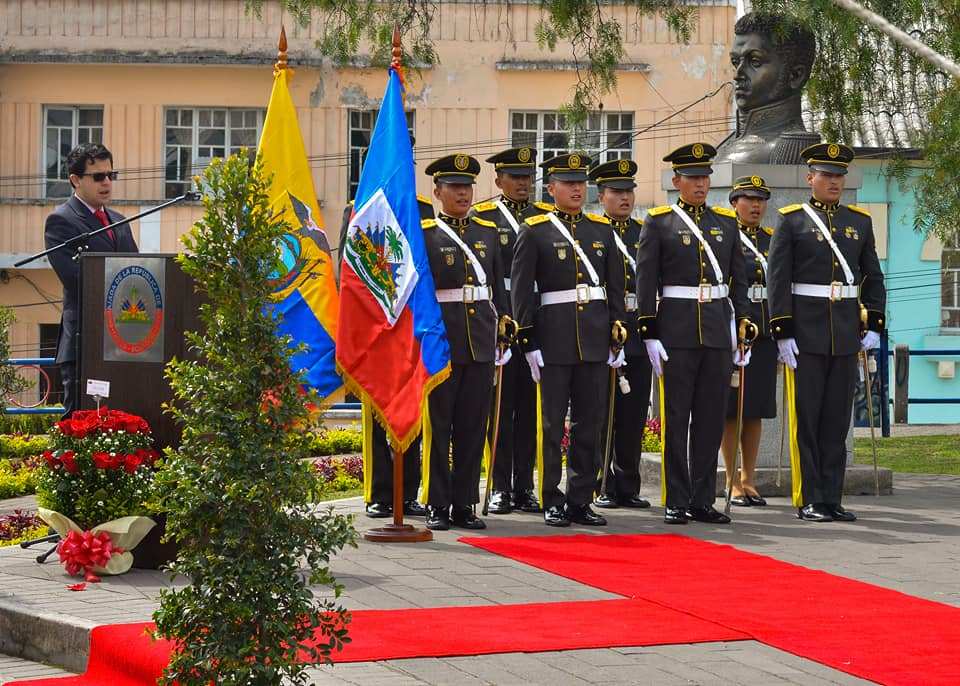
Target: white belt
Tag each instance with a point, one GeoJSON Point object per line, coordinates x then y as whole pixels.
{"type": "Point", "coordinates": [581, 294]}
{"type": "Point", "coordinates": [467, 294]}
{"type": "Point", "coordinates": [757, 293]}
{"type": "Point", "coordinates": [832, 291]}
{"type": "Point", "coordinates": [630, 302]}
{"type": "Point", "coordinates": [704, 293]}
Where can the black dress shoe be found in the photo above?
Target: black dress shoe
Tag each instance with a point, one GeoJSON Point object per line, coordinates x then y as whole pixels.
{"type": "Point", "coordinates": [839, 514]}
{"type": "Point", "coordinates": [412, 508]}
{"type": "Point", "coordinates": [379, 510]}
{"type": "Point", "coordinates": [555, 516]}
{"type": "Point", "coordinates": [527, 502]}
{"type": "Point", "coordinates": [741, 501]}
{"type": "Point", "coordinates": [756, 500]}
{"type": "Point", "coordinates": [674, 515]}
{"type": "Point", "coordinates": [500, 503]}
{"type": "Point", "coordinates": [814, 513]}
{"type": "Point", "coordinates": [464, 518]}
{"type": "Point", "coordinates": [634, 501]}
{"type": "Point", "coordinates": [606, 501]}
{"type": "Point", "coordinates": [582, 514]}
{"type": "Point", "coordinates": [707, 514]}
{"type": "Point", "coordinates": [438, 518]}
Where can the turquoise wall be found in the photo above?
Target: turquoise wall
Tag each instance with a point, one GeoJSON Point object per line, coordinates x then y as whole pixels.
{"type": "Point", "coordinates": [913, 297]}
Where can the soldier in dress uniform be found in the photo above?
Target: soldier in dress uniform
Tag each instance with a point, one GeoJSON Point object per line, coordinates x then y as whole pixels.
{"type": "Point", "coordinates": [517, 443]}
{"type": "Point", "coordinates": [749, 197]}
{"type": "Point", "coordinates": [566, 334]}
{"type": "Point", "coordinates": [827, 300]}
{"type": "Point", "coordinates": [615, 181]}
{"type": "Point", "coordinates": [690, 253]}
{"type": "Point", "coordinates": [465, 261]}
{"type": "Point", "coordinates": [377, 453]}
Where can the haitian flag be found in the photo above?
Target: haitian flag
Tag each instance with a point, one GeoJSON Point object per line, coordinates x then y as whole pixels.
{"type": "Point", "coordinates": [304, 288]}
{"type": "Point", "coordinates": [392, 346]}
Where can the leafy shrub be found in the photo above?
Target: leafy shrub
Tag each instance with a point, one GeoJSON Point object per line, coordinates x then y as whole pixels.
{"type": "Point", "coordinates": [22, 445]}
{"type": "Point", "coordinates": [28, 423]}
{"type": "Point", "coordinates": [17, 479]}
{"type": "Point", "coordinates": [20, 526]}
{"type": "Point", "coordinates": [337, 442]}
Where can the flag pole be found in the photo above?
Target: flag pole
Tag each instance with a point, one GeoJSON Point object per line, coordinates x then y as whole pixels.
{"type": "Point", "coordinates": [397, 532]}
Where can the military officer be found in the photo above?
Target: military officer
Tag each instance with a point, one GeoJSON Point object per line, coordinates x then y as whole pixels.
{"type": "Point", "coordinates": [465, 262]}
{"type": "Point", "coordinates": [690, 253]}
{"type": "Point", "coordinates": [566, 334]}
{"type": "Point", "coordinates": [827, 298]}
{"type": "Point", "coordinates": [377, 453]}
{"type": "Point", "coordinates": [749, 197]}
{"type": "Point", "coordinates": [615, 181]}
{"type": "Point", "coordinates": [517, 443]}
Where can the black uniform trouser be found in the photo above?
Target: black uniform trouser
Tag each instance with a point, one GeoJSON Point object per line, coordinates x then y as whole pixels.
{"type": "Point", "coordinates": [458, 413]}
{"type": "Point", "coordinates": [71, 394]}
{"type": "Point", "coordinates": [696, 385]}
{"type": "Point", "coordinates": [517, 441]}
{"type": "Point", "coordinates": [629, 420]}
{"type": "Point", "coordinates": [378, 464]}
{"type": "Point", "coordinates": [581, 386]}
{"type": "Point", "coordinates": [825, 388]}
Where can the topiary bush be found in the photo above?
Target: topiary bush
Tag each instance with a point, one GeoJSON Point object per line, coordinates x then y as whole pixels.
{"type": "Point", "coordinates": [236, 491]}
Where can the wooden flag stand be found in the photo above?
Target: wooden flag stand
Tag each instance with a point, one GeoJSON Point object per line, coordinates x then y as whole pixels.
{"type": "Point", "coordinates": [398, 532]}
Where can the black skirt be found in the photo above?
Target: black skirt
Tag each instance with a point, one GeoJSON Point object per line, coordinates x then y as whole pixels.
{"type": "Point", "coordinates": [760, 391]}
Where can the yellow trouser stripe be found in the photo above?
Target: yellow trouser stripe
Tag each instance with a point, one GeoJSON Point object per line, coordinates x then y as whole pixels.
{"type": "Point", "coordinates": [539, 445]}
{"type": "Point", "coordinates": [426, 443]}
{"type": "Point", "coordinates": [796, 476]}
{"type": "Point", "coordinates": [663, 445]}
{"type": "Point", "coordinates": [366, 424]}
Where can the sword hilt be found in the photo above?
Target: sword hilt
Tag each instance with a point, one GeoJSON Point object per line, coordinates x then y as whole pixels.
{"type": "Point", "coordinates": [748, 332]}
{"type": "Point", "coordinates": [618, 335]}
{"type": "Point", "coordinates": [507, 330]}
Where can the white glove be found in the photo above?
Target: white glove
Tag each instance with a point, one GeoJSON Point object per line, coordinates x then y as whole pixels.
{"type": "Point", "coordinates": [788, 352]}
{"type": "Point", "coordinates": [745, 360]}
{"type": "Point", "coordinates": [657, 355]}
{"type": "Point", "coordinates": [616, 362]}
{"type": "Point", "coordinates": [870, 341]}
{"type": "Point", "coordinates": [502, 358]}
{"type": "Point", "coordinates": [535, 360]}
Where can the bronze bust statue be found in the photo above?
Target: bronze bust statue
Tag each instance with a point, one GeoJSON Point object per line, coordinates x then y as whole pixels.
{"type": "Point", "coordinates": [772, 57]}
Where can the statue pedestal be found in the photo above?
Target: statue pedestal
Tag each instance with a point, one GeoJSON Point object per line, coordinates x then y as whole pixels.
{"type": "Point", "coordinates": [788, 186]}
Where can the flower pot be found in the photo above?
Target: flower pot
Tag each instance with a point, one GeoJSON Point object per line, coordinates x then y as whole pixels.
{"type": "Point", "coordinates": [151, 553]}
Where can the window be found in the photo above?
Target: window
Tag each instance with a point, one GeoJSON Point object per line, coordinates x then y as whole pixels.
{"type": "Point", "coordinates": [605, 136]}
{"type": "Point", "coordinates": [950, 285]}
{"type": "Point", "coordinates": [64, 129]}
{"type": "Point", "coordinates": [358, 140]}
{"type": "Point", "coordinates": [195, 135]}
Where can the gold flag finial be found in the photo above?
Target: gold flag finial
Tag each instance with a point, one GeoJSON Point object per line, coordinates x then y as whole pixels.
{"type": "Point", "coordinates": [281, 63]}
{"type": "Point", "coordinates": [395, 62]}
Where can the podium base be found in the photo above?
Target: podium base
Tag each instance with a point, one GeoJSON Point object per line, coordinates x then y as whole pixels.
{"type": "Point", "coordinates": [398, 533]}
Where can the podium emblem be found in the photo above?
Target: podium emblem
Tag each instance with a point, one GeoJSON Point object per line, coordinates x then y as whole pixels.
{"type": "Point", "coordinates": [133, 313]}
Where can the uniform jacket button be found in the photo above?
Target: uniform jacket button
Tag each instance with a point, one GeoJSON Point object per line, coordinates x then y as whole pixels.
{"type": "Point", "coordinates": [472, 311]}
{"type": "Point", "coordinates": [580, 308]}
{"type": "Point", "coordinates": [469, 279]}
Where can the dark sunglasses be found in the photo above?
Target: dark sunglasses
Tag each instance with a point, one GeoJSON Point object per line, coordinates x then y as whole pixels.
{"type": "Point", "coordinates": [101, 176]}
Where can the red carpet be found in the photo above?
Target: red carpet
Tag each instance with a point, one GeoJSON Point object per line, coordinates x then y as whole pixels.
{"type": "Point", "coordinates": [864, 630]}
{"type": "Point", "coordinates": [122, 655]}
{"type": "Point", "coordinates": [675, 590]}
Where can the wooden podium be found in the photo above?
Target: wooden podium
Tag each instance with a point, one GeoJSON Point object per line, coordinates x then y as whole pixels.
{"type": "Point", "coordinates": [135, 309]}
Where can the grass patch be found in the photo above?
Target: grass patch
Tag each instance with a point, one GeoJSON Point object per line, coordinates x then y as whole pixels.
{"type": "Point", "coordinates": [912, 454]}
{"type": "Point", "coordinates": [339, 495]}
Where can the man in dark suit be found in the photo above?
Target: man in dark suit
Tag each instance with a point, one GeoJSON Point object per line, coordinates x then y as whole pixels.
{"type": "Point", "coordinates": [92, 176]}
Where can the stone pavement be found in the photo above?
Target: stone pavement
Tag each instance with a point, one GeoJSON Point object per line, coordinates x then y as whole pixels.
{"type": "Point", "coordinates": [908, 542]}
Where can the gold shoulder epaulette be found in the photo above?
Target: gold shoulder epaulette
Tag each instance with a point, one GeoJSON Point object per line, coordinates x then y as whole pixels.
{"type": "Point", "coordinates": [485, 206]}
{"type": "Point", "coordinates": [424, 199]}
{"type": "Point", "coordinates": [789, 208]}
{"type": "Point", "coordinates": [860, 210]}
{"type": "Point", "coordinates": [768, 230]}
{"type": "Point", "coordinates": [545, 206]}
{"type": "Point", "coordinates": [663, 209]}
{"type": "Point", "coordinates": [484, 222]}
{"type": "Point", "coordinates": [538, 219]}
{"type": "Point", "coordinates": [725, 211]}
{"type": "Point", "coordinates": [428, 223]}
{"type": "Point", "coordinates": [638, 222]}
{"type": "Point", "coordinates": [597, 218]}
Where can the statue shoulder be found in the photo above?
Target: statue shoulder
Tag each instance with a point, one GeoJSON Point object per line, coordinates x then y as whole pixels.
{"type": "Point", "coordinates": [724, 211]}
{"type": "Point", "coordinates": [657, 211]}
{"type": "Point", "coordinates": [485, 222]}
{"type": "Point", "coordinates": [597, 218]}
{"type": "Point", "coordinates": [537, 219]}
{"type": "Point", "coordinates": [789, 209]}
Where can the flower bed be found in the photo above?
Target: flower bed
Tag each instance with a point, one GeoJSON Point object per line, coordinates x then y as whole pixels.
{"type": "Point", "coordinates": [20, 526]}
{"type": "Point", "coordinates": [337, 474]}
{"type": "Point", "coordinates": [18, 477]}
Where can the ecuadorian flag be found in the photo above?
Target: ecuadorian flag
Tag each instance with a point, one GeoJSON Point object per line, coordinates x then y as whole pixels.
{"type": "Point", "coordinates": [392, 347]}
{"type": "Point", "coordinates": [304, 289]}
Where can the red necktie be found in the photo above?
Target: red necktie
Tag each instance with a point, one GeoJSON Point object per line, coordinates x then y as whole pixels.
{"type": "Point", "coordinates": [101, 214]}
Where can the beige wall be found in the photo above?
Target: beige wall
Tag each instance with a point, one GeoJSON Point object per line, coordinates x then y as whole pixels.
{"type": "Point", "coordinates": [210, 53]}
